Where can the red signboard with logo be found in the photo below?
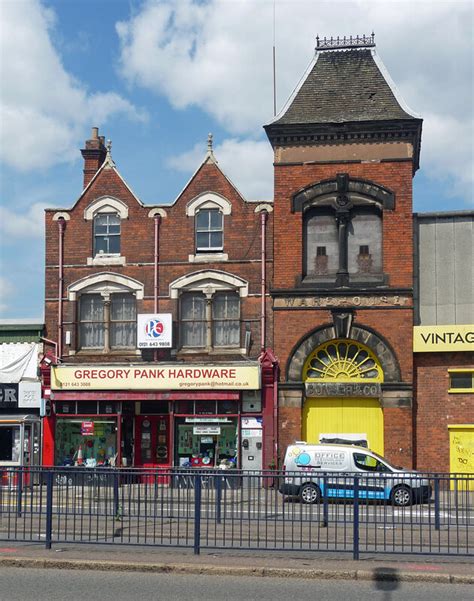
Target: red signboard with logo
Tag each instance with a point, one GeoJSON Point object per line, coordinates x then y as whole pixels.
{"type": "Point", "coordinates": [87, 428]}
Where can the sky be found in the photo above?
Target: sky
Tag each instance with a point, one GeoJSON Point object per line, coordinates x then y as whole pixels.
{"type": "Point", "coordinates": [156, 76]}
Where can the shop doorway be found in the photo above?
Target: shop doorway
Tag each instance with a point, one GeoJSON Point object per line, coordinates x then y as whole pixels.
{"type": "Point", "coordinates": [461, 455]}
{"type": "Point", "coordinates": [152, 441]}
{"type": "Point", "coordinates": [344, 416]}
{"type": "Point", "coordinates": [351, 366]}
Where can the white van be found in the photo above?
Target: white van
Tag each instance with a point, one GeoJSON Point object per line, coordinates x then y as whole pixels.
{"type": "Point", "coordinates": [311, 471]}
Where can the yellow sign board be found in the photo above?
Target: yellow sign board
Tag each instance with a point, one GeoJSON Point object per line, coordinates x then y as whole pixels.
{"type": "Point", "coordinates": [158, 377]}
{"type": "Point", "coordinates": [440, 339]}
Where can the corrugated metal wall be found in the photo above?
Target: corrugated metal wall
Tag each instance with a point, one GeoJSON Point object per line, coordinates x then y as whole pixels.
{"type": "Point", "coordinates": [445, 268]}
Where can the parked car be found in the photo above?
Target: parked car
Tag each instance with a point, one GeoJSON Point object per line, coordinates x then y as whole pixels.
{"type": "Point", "coordinates": [311, 471]}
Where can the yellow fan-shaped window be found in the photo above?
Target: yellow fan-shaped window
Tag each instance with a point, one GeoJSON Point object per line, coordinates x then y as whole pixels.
{"type": "Point", "coordinates": [342, 360]}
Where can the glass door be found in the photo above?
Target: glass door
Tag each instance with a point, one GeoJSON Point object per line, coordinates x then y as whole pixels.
{"type": "Point", "coordinates": [152, 440]}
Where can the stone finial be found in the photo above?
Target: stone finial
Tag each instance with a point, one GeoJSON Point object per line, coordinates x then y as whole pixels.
{"type": "Point", "coordinates": [108, 159]}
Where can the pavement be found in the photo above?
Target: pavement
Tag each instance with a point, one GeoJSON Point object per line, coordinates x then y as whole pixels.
{"type": "Point", "coordinates": [405, 568]}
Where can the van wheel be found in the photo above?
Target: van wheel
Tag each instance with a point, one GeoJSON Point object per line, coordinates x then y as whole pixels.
{"type": "Point", "coordinates": [402, 496]}
{"type": "Point", "coordinates": [310, 493]}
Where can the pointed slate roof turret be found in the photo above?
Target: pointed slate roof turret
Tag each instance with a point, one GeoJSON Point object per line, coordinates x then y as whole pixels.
{"type": "Point", "coordinates": [346, 94]}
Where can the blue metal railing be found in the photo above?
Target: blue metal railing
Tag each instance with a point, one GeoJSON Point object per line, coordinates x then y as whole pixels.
{"type": "Point", "coordinates": [214, 509]}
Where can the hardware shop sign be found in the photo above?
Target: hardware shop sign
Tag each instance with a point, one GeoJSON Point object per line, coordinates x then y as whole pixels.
{"type": "Point", "coordinates": [164, 377]}
{"type": "Point", "coordinates": [343, 389]}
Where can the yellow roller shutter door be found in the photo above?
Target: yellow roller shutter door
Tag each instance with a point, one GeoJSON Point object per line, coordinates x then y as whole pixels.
{"type": "Point", "coordinates": [344, 416]}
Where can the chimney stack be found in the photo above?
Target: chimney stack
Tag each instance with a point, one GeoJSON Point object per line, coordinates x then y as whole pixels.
{"type": "Point", "coordinates": [94, 155]}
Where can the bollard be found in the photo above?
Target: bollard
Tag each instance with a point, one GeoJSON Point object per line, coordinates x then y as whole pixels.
{"type": "Point", "coordinates": [197, 514]}
{"type": "Point", "coordinates": [49, 509]}
{"type": "Point", "coordinates": [355, 551]}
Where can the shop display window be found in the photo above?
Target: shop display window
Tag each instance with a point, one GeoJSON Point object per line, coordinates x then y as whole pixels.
{"type": "Point", "coordinates": [88, 443]}
{"type": "Point", "coordinates": [226, 407]}
{"type": "Point", "coordinates": [207, 446]}
{"type": "Point", "coordinates": [10, 443]}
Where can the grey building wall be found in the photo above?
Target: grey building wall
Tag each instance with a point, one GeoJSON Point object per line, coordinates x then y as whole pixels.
{"type": "Point", "coordinates": [444, 268]}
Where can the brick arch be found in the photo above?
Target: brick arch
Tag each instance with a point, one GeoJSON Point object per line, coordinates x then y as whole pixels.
{"type": "Point", "coordinates": [364, 335]}
{"type": "Point", "coordinates": [359, 190]}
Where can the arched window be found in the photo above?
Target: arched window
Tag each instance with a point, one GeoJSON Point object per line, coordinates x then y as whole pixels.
{"type": "Point", "coordinates": [209, 230]}
{"type": "Point", "coordinates": [107, 234]}
{"type": "Point", "coordinates": [106, 311]}
{"type": "Point", "coordinates": [342, 231]}
{"type": "Point", "coordinates": [107, 321]}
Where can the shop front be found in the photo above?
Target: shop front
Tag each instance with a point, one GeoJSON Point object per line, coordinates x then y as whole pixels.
{"type": "Point", "coordinates": [155, 417]}
{"type": "Point", "coordinates": [20, 428]}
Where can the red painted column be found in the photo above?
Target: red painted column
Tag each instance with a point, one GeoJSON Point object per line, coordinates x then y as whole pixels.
{"type": "Point", "coordinates": [270, 373]}
{"type": "Point", "coordinates": [48, 440]}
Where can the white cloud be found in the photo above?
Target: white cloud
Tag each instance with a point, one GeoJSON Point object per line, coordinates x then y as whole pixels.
{"type": "Point", "coordinates": [247, 163]}
{"type": "Point", "coordinates": [27, 225]}
{"type": "Point", "coordinates": [7, 291]}
{"type": "Point", "coordinates": [43, 109]}
{"type": "Point", "coordinates": [217, 55]}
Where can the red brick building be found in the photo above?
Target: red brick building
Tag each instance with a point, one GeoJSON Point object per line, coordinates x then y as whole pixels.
{"type": "Point", "coordinates": [346, 149]}
{"type": "Point", "coordinates": [197, 271]}
{"type": "Point", "coordinates": [361, 309]}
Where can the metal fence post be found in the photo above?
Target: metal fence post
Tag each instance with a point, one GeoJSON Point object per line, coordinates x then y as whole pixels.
{"type": "Point", "coordinates": [436, 504]}
{"type": "Point", "coordinates": [219, 479]}
{"type": "Point", "coordinates": [49, 508]}
{"type": "Point", "coordinates": [197, 513]}
{"type": "Point", "coordinates": [355, 551]}
{"type": "Point", "coordinates": [19, 491]}
{"type": "Point", "coordinates": [116, 496]}
{"type": "Point", "coordinates": [325, 503]}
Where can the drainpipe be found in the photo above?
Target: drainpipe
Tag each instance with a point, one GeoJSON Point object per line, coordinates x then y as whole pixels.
{"type": "Point", "coordinates": [157, 220]}
{"type": "Point", "coordinates": [53, 344]}
{"type": "Point", "coordinates": [61, 228]}
{"type": "Point", "coordinates": [263, 220]}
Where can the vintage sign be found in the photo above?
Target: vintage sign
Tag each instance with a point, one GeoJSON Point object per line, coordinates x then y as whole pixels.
{"type": "Point", "coordinates": [440, 339]}
{"type": "Point", "coordinates": [154, 330]}
{"type": "Point", "coordinates": [8, 396]}
{"type": "Point", "coordinates": [164, 377]}
{"type": "Point", "coordinates": [343, 389]}
{"type": "Point", "coordinates": [360, 300]}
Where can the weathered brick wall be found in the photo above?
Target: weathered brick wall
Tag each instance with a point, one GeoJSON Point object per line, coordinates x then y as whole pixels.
{"type": "Point", "coordinates": [436, 408]}
{"type": "Point", "coordinates": [242, 243]}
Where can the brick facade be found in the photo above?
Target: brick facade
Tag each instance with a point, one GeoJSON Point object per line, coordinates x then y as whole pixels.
{"type": "Point", "coordinates": [436, 408]}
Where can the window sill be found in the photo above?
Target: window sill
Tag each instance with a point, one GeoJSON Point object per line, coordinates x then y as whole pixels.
{"type": "Point", "coordinates": [106, 260]}
{"type": "Point", "coordinates": [460, 390]}
{"type": "Point", "coordinates": [101, 352]}
{"type": "Point", "coordinates": [208, 257]}
{"type": "Point", "coordinates": [235, 350]}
